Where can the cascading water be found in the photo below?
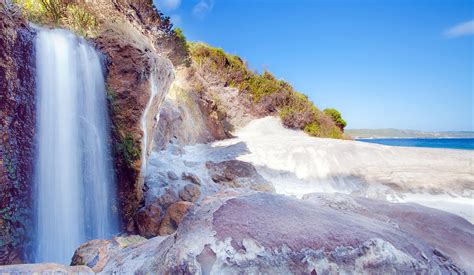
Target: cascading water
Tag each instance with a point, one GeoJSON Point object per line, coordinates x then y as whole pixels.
{"type": "Point", "coordinates": [75, 184]}
{"type": "Point", "coordinates": [144, 122]}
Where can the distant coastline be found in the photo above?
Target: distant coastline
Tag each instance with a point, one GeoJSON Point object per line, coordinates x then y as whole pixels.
{"type": "Point", "coordinates": [404, 134]}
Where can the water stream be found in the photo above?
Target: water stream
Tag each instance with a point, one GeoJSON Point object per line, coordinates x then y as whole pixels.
{"type": "Point", "coordinates": [74, 179]}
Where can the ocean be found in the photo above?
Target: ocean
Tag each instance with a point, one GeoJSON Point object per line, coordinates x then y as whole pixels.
{"type": "Point", "coordinates": [449, 143]}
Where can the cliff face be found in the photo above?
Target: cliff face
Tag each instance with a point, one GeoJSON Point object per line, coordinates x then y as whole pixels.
{"type": "Point", "coordinates": [17, 128]}
{"type": "Point", "coordinates": [189, 116]}
{"type": "Point", "coordinates": [138, 78]}
{"type": "Point", "coordinates": [218, 94]}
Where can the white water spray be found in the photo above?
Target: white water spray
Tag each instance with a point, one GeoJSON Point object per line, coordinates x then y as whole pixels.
{"type": "Point", "coordinates": [75, 185]}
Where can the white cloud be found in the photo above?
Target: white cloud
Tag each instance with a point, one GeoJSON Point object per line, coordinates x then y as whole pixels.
{"type": "Point", "coordinates": [462, 29]}
{"type": "Point", "coordinates": [203, 8]}
{"type": "Point", "coordinates": [168, 4]}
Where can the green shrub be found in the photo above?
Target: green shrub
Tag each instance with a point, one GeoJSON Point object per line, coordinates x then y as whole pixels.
{"type": "Point", "coordinates": [336, 117]}
{"type": "Point", "coordinates": [60, 13]}
{"type": "Point", "coordinates": [55, 10]}
{"type": "Point", "coordinates": [129, 149]}
{"type": "Point", "coordinates": [312, 129]}
{"type": "Point", "coordinates": [181, 52]}
{"type": "Point", "coordinates": [81, 20]}
{"type": "Point", "coordinates": [32, 9]}
{"type": "Point", "coordinates": [295, 109]}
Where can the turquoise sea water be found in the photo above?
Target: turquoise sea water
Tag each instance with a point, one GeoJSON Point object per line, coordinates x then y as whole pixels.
{"type": "Point", "coordinates": [450, 143]}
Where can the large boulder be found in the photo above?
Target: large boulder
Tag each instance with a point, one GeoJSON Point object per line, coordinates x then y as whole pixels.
{"type": "Point", "coordinates": [96, 253]}
{"type": "Point", "coordinates": [238, 174]}
{"type": "Point", "coordinates": [149, 218]}
{"type": "Point", "coordinates": [236, 233]}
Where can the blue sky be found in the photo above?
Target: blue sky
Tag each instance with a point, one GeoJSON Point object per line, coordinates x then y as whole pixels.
{"type": "Point", "coordinates": [404, 64]}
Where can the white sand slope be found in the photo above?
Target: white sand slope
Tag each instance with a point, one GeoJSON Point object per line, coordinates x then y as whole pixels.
{"type": "Point", "coordinates": [297, 164]}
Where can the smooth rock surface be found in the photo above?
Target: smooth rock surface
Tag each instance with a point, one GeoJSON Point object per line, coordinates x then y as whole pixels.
{"type": "Point", "coordinates": [238, 174]}
{"type": "Point", "coordinates": [325, 233]}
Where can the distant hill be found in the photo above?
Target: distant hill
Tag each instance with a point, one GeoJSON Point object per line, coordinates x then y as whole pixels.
{"type": "Point", "coordinates": [396, 133]}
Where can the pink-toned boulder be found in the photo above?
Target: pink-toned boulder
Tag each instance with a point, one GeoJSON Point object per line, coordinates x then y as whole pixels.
{"type": "Point", "coordinates": [263, 233]}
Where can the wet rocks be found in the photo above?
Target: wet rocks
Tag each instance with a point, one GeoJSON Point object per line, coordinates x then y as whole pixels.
{"type": "Point", "coordinates": [168, 198]}
{"type": "Point", "coordinates": [148, 220]}
{"type": "Point", "coordinates": [190, 193]}
{"type": "Point", "coordinates": [163, 215]}
{"type": "Point", "coordinates": [174, 215]}
{"type": "Point", "coordinates": [238, 174]}
{"type": "Point", "coordinates": [191, 177]}
{"type": "Point", "coordinates": [172, 175]}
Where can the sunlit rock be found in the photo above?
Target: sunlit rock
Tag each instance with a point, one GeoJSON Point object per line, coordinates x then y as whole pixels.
{"type": "Point", "coordinates": [265, 233]}
{"type": "Point", "coordinates": [238, 174]}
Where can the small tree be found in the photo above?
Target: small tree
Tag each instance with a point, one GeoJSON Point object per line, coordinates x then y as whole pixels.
{"type": "Point", "coordinates": [336, 117]}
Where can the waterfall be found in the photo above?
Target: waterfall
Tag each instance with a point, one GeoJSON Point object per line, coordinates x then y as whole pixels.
{"type": "Point", "coordinates": [74, 179]}
{"type": "Point", "coordinates": [144, 123]}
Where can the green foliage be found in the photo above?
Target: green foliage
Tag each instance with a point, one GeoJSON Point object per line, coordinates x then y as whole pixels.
{"type": "Point", "coordinates": [129, 149]}
{"type": "Point", "coordinates": [295, 109]}
{"type": "Point", "coordinates": [312, 129]}
{"type": "Point", "coordinates": [60, 13]}
{"type": "Point", "coordinates": [55, 10]}
{"type": "Point", "coordinates": [81, 20]}
{"type": "Point", "coordinates": [336, 117]}
{"type": "Point", "coordinates": [181, 52]}
{"type": "Point", "coordinates": [32, 9]}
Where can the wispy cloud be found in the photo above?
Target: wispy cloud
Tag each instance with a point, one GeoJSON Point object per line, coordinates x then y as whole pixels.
{"type": "Point", "coordinates": [203, 8]}
{"type": "Point", "coordinates": [462, 29]}
{"type": "Point", "coordinates": [168, 4]}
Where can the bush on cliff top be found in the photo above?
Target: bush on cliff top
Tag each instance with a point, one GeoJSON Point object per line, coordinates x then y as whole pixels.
{"type": "Point", "coordinates": [60, 13]}
{"type": "Point", "coordinates": [336, 117]}
{"type": "Point", "coordinates": [295, 109]}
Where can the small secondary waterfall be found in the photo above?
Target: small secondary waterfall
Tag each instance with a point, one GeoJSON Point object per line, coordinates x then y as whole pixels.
{"type": "Point", "coordinates": [144, 123]}
{"type": "Point", "coordinates": [75, 184]}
